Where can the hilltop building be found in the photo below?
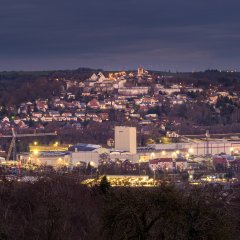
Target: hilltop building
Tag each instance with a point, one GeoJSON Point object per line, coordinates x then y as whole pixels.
{"type": "Point", "coordinates": [140, 71]}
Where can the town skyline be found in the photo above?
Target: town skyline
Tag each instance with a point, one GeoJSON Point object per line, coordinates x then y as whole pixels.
{"type": "Point", "coordinates": [119, 119]}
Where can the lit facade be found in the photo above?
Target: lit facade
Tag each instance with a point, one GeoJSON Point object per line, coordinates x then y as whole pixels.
{"type": "Point", "coordinates": [126, 139]}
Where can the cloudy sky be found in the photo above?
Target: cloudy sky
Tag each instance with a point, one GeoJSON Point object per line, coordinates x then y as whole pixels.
{"type": "Point", "coordinates": [181, 35]}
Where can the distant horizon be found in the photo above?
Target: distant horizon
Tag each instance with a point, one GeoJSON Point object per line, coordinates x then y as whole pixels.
{"type": "Point", "coordinates": [120, 69]}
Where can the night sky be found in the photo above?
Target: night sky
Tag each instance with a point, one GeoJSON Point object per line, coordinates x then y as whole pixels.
{"type": "Point", "coordinates": [180, 35]}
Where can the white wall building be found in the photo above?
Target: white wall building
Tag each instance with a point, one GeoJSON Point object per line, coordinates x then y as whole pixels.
{"type": "Point", "coordinates": [87, 153]}
{"type": "Point", "coordinates": [133, 91]}
{"type": "Point", "coordinates": [200, 147]}
{"type": "Point", "coordinates": [126, 139]}
{"type": "Point", "coordinates": [54, 159]}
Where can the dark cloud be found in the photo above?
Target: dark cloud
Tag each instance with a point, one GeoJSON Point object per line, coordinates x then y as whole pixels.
{"type": "Point", "coordinates": [159, 34]}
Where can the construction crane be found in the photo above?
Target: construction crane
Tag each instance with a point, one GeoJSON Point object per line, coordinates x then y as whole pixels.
{"type": "Point", "coordinates": [12, 149]}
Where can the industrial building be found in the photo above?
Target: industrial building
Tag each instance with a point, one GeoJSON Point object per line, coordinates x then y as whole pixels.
{"type": "Point", "coordinates": [88, 153]}
{"type": "Point", "coordinates": [54, 159]}
{"type": "Point", "coordinates": [55, 155]}
{"type": "Point", "coordinates": [200, 147]}
{"type": "Point", "coordinates": [126, 148]}
{"type": "Point", "coordinates": [126, 139]}
{"type": "Point", "coordinates": [196, 147]}
{"type": "Point", "coordinates": [73, 156]}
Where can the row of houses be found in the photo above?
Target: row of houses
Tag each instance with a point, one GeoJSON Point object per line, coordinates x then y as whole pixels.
{"type": "Point", "coordinates": [133, 94]}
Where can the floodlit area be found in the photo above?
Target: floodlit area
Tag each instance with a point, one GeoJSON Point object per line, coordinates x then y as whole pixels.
{"type": "Point", "coordinates": [125, 181]}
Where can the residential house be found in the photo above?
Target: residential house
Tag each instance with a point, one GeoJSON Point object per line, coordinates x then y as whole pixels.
{"type": "Point", "coordinates": [94, 104]}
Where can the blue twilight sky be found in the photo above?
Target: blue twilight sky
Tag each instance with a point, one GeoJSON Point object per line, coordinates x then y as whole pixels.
{"type": "Point", "coordinates": [179, 35]}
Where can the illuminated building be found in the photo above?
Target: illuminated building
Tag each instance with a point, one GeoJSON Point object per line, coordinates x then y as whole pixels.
{"type": "Point", "coordinates": [140, 71]}
{"type": "Point", "coordinates": [126, 139]}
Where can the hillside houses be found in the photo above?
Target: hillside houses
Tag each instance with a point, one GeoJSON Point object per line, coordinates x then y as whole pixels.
{"type": "Point", "coordinates": [143, 99]}
{"type": "Point", "coordinates": [94, 104]}
{"type": "Point", "coordinates": [42, 105]}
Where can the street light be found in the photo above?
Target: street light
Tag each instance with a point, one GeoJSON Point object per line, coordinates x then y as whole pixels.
{"type": "Point", "coordinates": [35, 152]}
{"type": "Point", "coordinates": [190, 150]}
{"type": "Point", "coordinates": [92, 164]}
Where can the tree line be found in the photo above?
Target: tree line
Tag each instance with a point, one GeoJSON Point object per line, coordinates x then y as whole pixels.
{"type": "Point", "coordinates": [59, 208]}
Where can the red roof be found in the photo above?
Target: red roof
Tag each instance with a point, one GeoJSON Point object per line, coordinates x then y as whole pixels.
{"type": "Point", "coordinates": [94, 103]}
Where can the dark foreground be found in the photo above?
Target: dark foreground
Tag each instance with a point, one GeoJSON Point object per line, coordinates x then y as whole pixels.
{"type": "Point", "coordinates": [60, 209]}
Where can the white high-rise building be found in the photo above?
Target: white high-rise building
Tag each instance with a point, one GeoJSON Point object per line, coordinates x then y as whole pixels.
{"type": "Point", "coordinates": [126, 139]}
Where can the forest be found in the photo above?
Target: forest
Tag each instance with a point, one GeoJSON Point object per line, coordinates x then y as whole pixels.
{"type": "Point", "coordinates": [17, 87]}
{"type": "Point", "coordinates": [59, 208]}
